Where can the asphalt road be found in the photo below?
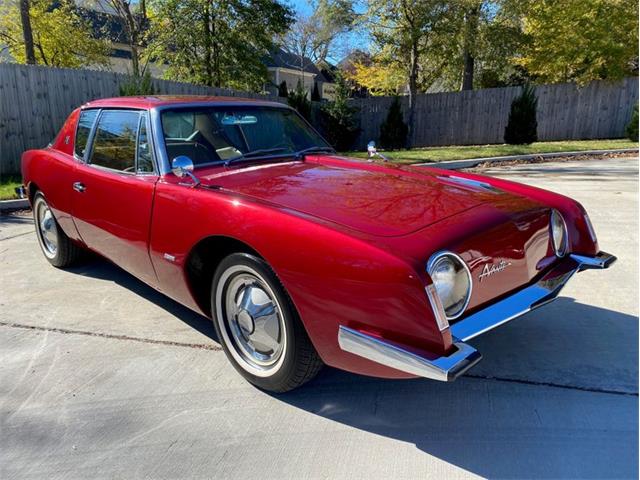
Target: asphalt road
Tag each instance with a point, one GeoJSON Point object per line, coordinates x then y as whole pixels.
{"type": "Point", "coordinates": [100, 376]}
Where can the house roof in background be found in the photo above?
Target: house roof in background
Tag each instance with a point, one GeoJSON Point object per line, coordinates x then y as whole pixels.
{"type": "Point", "coordinates": [105, 25]}
{"type": "Point", "coordinates": [280, 58]}
{"type": "Point", "coordinates": [327, 72]}
{"type": "Point", "coordinates": [356, 56]}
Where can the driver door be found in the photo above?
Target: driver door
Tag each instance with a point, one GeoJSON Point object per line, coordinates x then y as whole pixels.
{"type": "Point", "coordinates": [113, 191]}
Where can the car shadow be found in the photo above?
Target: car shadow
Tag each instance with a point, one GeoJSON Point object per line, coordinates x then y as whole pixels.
{"type": "Point", "coordinates": [97, 267]}
{"type": "Point", "coordinates": [514, 418]}
{"type": "Point", "coordinates": [10, 218]}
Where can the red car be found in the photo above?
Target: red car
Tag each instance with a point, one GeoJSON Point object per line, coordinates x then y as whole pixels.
{"type": "Point", "coordinates": [239, 210]}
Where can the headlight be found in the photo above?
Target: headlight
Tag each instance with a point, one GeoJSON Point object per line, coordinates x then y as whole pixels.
{"type": "Point", "coordinates": [558, 233]}
{"type": "Point", "coordinates": [452, 282]}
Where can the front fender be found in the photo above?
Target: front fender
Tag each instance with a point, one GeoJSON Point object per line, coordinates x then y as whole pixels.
{"type": "Point", "coordinates": [333, 278]}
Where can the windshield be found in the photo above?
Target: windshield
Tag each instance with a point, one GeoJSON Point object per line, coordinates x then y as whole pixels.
{"type": "Point", "coordinates": [221, 134]}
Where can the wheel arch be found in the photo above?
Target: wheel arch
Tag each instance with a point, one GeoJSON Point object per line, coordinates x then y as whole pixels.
{"type": "Point", "coordinates": [202, 261]}
{"type": "Point", "coordinates": [32, 188]}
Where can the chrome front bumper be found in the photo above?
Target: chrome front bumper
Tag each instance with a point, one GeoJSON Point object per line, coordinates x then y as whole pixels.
{"type": "Point", "coordinates": [447, 368]}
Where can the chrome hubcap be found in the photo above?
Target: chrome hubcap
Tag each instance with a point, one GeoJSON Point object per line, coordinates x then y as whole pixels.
{"type": "Point", "coordinates": [253, 320]}
{"type": "Point", "coordinates": [47, 228]}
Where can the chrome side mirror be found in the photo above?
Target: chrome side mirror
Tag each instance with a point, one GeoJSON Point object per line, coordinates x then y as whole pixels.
{"type": "Point", "coordinates": [182, 166]}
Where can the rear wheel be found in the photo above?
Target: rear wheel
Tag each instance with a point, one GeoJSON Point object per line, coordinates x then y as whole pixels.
{"type": "Point", "coordinates": [258, 325]}
{"type": "Point", "coordinates": [57, 248]}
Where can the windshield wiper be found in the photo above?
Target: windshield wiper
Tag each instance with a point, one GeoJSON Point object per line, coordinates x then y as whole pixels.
{"type": "Point", "coordinates": [315, 149]}
{"type": "Point", "coordinates": [265, 151]}
{"type": "Point", "coordinates": [254, 153]}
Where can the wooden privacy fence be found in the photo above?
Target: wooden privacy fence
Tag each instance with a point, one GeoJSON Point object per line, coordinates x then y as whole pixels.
{"type": "Point", "coordinates": [565, 112]}
{"type": "Point", "coordinates": [35, 101]}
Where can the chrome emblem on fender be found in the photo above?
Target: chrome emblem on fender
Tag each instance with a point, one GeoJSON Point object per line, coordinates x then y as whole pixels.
{"type": "Point", "coordinates": [490, 269]}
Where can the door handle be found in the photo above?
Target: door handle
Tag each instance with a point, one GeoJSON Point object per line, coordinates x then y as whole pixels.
{"type": "Point", "coordinates": [79, 187]}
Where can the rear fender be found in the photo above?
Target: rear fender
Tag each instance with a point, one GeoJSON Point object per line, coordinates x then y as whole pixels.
{"type": "Point", "coordinates": [51, 170]}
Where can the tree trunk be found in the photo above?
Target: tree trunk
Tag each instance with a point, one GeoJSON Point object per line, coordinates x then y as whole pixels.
{"type": "Point", "coordinates": [413, 90]}
{"type": "Point", "coordinates": [215, 49]}
{"type": "Point", "coordinates": [207, 46]}
{"type": "Point", "coordinates": [470, 37]}
{"type": "Point", "coordinates": [132, 31]}
{"type": "Point", "coordinates": [43, 57]}
{"type": "Point", "coordinates": [135, 59]}
{"type": "Point", "coordinates": [27, 32]}
{"type": "Point", "coordinates": [467, 74]}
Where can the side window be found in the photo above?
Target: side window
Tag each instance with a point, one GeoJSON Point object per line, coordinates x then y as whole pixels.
{"type": "Point", "coordinates": [114, 144]}
{"type": "Point", "coordinates": [85, 124]}
{"type": "Point", "coordinates": [144, 160]}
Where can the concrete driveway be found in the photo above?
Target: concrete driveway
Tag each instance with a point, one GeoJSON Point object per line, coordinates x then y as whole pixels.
{"type": "Point", "coordinates": [100, 376]}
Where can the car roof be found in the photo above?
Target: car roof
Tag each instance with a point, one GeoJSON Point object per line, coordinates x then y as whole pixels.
{"type": "Point", "coordinates": [155, 101]}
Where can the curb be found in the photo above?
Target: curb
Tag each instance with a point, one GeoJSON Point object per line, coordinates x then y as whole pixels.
{"type": "Point", "coordinates": [472, 162]}
{"type": "Point", "coordinates": [17, 204]}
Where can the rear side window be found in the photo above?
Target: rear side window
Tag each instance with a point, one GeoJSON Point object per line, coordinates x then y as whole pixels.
{"type": "Point", "coordinates": [85, 124]}
{"type": "Point", "coordinates": [114, 144]}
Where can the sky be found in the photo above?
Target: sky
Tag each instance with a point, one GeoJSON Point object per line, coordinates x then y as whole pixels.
{"type": "Point", "coordinates": [301, 6]}
{"type": "Point", "coordinates": [343, 45]}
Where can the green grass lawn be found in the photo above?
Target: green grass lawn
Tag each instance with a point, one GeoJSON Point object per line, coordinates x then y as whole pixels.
{"type": "Point", "coordinates": [8, 185]}
{"type": "Point", "coordinates": [439, 154]}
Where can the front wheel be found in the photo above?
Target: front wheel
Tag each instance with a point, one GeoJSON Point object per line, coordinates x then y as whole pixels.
{"type": "Point", "coordinates": [258, 326]}
{"type": "Point", "coordinates": [57, 248]}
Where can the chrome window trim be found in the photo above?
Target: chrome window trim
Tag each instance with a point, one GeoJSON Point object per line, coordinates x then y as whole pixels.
{"type": "Point", "coordinates": [431, 262]}
{"type": "Point", "coordinates": [137, 143]}
{"type": "Point", "coordinates": [89, 144]}
{"type": "Point", "coordinates": [111, 170]}
{"type": "Point", "coordinates": [144, 116]}
{"type": "Point", "coordinates": [141, 112]}
{"type": "Point", "coordinates": [158, 139]}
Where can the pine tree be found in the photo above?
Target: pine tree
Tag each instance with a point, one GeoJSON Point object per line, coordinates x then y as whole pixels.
{"type": "Point", "coordinates": [393, 131]}
{"type": "Point", "coordinates": [298, 99]}
{"type": "Point", "coordinates": [137, 86]}
{"type": "Point", "coordinates": [283, 91]}
{"type": "Point", "coordinates": [522, 127]}
{"type": "Point", "coordinates": [315, 94]}
{"type": "Point", "coordinates": [337, 121]}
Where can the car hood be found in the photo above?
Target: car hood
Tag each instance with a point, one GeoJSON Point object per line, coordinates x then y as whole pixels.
{"type": "Point", "coordinates": [370, 198]}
